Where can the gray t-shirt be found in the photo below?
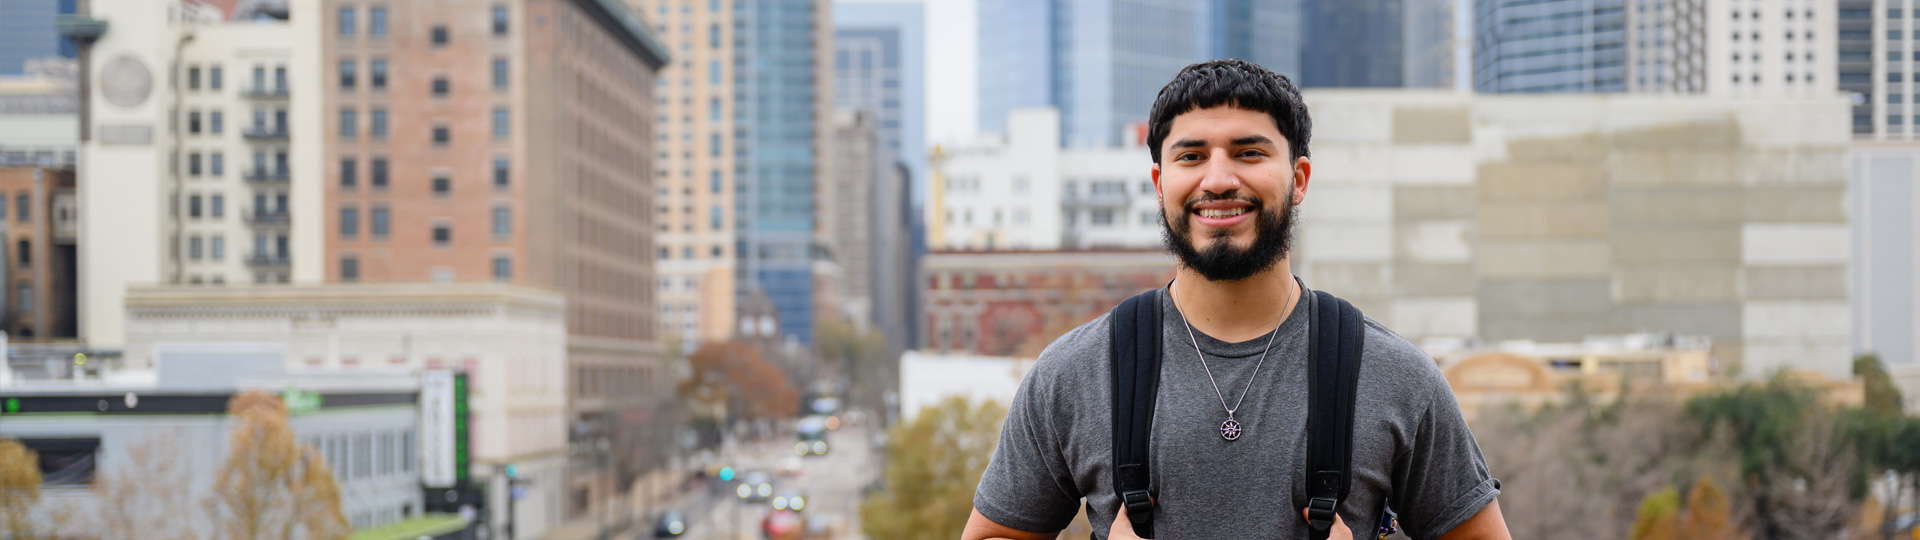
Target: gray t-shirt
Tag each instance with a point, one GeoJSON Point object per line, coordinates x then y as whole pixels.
{"type": "Point", "coordinates": [1411, 445]}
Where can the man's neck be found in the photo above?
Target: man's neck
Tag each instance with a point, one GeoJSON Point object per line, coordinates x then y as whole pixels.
{"type": "Point", "coordinates": [1236, 311]}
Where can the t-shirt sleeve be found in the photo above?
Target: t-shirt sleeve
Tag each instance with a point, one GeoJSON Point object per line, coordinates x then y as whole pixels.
{"type": "Point", "coordinates": [1442, 480]}
{"type": "Point", "coordinates": [1028, 485]}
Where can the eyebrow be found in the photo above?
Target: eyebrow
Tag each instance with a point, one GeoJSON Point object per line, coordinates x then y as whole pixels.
{"type": "Point", "coordinates": [1249, 140]}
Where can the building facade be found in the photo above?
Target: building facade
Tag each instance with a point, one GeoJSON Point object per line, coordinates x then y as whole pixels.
{"type": "Point", "coordinates": [1876, 65]}
{"type": "Point", "coordinates": [40, 229]}
{"type": "Point", "coordinates": [1885, 271]}
{"type": "Point", "coordinates": [39, 116]}
{"type": "Point", "coordinates": [27, 33]}
{"type": "Point", "coordinates": [510, 340]}
{"type": "Point", "coordinates": [1013, 303]}
{"type": "Point", "coordinates": [879, 68]}
{"type": "Point", "coordinates": [1352, 43]}
{"type": "Point", "coordinates": [1020, 193]}
{"type": "Point", "coordinates": [364, 426]}
{"type": "Point", "coordinates": [509, 141]}
{"type": "Point", "coordinates": [1569, 222]}
{"type": "Point", "coordinates": [186, 124]}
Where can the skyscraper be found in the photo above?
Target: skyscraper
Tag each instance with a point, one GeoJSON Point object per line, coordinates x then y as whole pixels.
{"type": "Point", "coordinates": [742, 113]}
{"type": "Point", "coordinates": [1552, 46]}
{"type": "Point", "coordinates": [879, 72]}
{"type": "Point", "coordinates": [1757, 48]}
{"type": "Point", "coordinates": [27, 32]}
{"type": "Point", "coordinates": [1351, 43]}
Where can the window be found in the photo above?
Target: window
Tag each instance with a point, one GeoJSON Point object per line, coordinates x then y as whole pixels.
{"type": "Point", "coordinates": [500, 174]}
{"type": "Point", "coordinates": [499, 20]}
{"type": "Point", "coordinates": [377, 21]}
{"type": "Point", "coordinates": [349, 173]}
{"type": "Point", "coordinates": [502, 267]}
{"type": "Point", "coordinates": [26, 298]}
{"type": "Point", "coordinates": [193, 78]}
{"type": "Point", "coordinates": [441, 136]}
{"type": "Point", "coordinates": [21, 208]}
{"type": "Point", "coordinates": [713, 72]}
{"type": "Point", "coordinates": [1893, 34]}
{"type": "Point", "coordinates": [193, 122]}
{"type": "Point", "coordinates": [349, 124]}
{"type": "Point", "coordinates": [259, 78]}
{"type": "Point", "coordinates": [193, 206]}
{"type": "Point", "coordinates": [502, 222]}
{"type": "Point", "coordinates": [217, 205]}
{"type": "Point", "coordinates": [713, 36]}
{"type": "Point", "coordinates": [193, 164]}
{"type": "Point", "coordinates": [213, 77]}
{"type": "Point", "coordinates": [499, 73]}
{"type": "Point", "coordinates": [665, 254]}
{"type": "Point", "coordinates": [217, 249]}
{"type": "Point", "coordinates": [349, 222]}
{"type": "Point", "coordinates": [500, 123]}
{"type": "Point", "coordinates": [1894, 119]}
{"type": "Point", "coordinates": [194, 248]}
{"type": "Point", "coordinates": [347, 68]}
{"type": "Point", "coordinates": [377, 73]}
{"type": "Point", "coordinates": [715, 215]}
{"type": "Point", "coordinates": [1893, 76]}
{"type": "Point", "coordinates": [216, 122]}
{"type": "Point", "coordinates": [1895, 98]}
{"type": "Point", "coordinates": [349, 268]}
{"type": "Point", "coordinates": [714, 142]}
{"type": "Point", "coordinates": [442, 186]}
{"type": "Point", "coordinates": [442, 235]}
{"type": "Point", "coordinates": [346, 21]}
{"type": "Point", "coordinates": [25, 249]}
{"type": "Point", "coordinates": [378, 173]}
{"type": "Point", "coordinates": [379, 222]}
{"type": "Point", "coordinates": [715, 181]}
{"type": "Point", "coordinates": [1101, 216]}
{"type": "Point", "coordinates": [441, 87]}
{"type": "Point", "coordinates": [377, 123]}
{"type": "Point", "coordinates": [439, 35]}
{"type": "Point", "coordinates": [713, 109]}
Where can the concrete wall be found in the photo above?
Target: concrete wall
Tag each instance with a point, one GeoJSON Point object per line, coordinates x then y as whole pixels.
{"type": "Point", "coordinates": [1885, 180]}
{"type": "Point", "coordinates": [1557, 217]}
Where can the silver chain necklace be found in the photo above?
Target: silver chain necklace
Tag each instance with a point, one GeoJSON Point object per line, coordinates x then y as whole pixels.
{"type": "Point", "coordinates": [1230, 429]}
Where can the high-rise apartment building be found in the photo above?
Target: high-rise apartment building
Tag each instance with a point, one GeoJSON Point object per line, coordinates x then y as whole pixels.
{"type": "Point", "coordinates": [1352, 43]}
{"type": "Point", "coordinates": [187, 169]}
{"type": "Point", "coordinates": [1734, 48]}
{"type": "Point", "coordinates": [741, 120]}
{"type": "Point", "coordinates": [480, 140]}
{"type": "Point", "coordinates": [879, 73]}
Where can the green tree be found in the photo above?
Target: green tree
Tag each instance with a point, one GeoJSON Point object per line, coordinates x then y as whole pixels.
{"type": "Point", "coordinates": [19, 489]}
{"type": "Point", "coordinates": [1882, 396]}
{"type": "Point", "coordinates": [1658, 516]}
{"type": "Point", "coordinates": [861, 356]}
{"type": "Point", "coordinates": [933, 464]}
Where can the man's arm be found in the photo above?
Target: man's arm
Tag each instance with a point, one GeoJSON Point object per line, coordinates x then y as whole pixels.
{"type": "Point", "coordinates": [1486, 525]}
{"type": "Point", "coordinates": [981, 528]}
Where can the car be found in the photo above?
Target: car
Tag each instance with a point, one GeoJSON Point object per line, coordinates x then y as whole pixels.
{"type": "Point", "coordinates": [790, 499]}
{"type": "Point", "coordinates": [671, 524]}
{"type": "Point", "coordinates": [789, 466]}
{"type": "Point", "coordinates": [755, 486]}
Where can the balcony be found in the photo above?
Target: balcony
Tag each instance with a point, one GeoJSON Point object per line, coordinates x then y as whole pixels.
{"type": "Point", "coordinates": [269, 219]}
{"type": "Point", "coordinates": [265, 92]}
{"type": "Point", "coordinates": [266, 133]}
{"type": "Point", "coordinates": [268, 260]}
{"type": "Point", "coordinates": [266, 176]}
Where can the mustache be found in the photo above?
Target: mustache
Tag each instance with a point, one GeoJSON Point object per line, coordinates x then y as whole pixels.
{"type": "Point", "coordinates": [1230, 196]}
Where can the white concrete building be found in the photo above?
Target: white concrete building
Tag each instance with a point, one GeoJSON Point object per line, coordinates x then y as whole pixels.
{"type": "Point", "coordinates": [1750, 48]}
{"type": "Point", "coordinates": [1023, 192]}
{"type": "Point", "coordinates": [926, 379]}
{"type": "Point", "coordinates": [1884, 193]}
{"type": "Point", "coordinates": [510, 340]}
{"type": "Point", "coordinates": [39, 116]}
{"type": "Point", "coordinates": [188, 171]}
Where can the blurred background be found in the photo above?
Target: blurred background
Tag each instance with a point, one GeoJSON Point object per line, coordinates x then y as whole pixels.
{"type": "Point", "coordinates": [570, 269]}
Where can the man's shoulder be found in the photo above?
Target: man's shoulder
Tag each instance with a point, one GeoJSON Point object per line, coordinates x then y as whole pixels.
{"type": "Point", "coordinates": [1387, 354]}
{"type": "Point", "coordinates": [1078, 353]}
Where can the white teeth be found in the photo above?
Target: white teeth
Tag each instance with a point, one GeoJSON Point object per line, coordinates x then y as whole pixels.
{"type": "Point", "coordinates": [1222, 213]}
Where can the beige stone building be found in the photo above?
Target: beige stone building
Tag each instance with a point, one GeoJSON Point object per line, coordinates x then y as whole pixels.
{"type": "Point", "coordinates": [510, 340]}
{"type": "Point", "coordinates": [471, 140]}
{"type": "Point", "coordinates": [1553, 218]}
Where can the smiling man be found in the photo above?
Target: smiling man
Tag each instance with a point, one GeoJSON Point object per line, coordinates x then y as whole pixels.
{"type": "Point", "coordinates": [1228, 440]}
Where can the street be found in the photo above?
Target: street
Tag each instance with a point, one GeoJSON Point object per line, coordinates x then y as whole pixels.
{"type": "Point", "coordinates": [831, 485]}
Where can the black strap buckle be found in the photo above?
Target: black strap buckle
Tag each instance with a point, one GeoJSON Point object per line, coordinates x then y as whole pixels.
{"type": "Point", "coordinates": [1139, 503]}
{"type": "Point", "coordinates": [1320, 513]}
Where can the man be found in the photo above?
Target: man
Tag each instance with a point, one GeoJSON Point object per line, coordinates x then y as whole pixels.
{"type": "Point", "coordinates": [1229, 144]}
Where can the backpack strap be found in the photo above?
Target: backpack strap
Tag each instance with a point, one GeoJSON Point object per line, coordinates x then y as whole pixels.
{"type": "Point", "coordinates": [1135, 353]}
{"type": "Point", "coordinates": [1333, 375]}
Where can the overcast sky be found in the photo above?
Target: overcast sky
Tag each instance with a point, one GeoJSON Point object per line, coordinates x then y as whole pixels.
{"type": "Point", "coordinates": [952, 70]}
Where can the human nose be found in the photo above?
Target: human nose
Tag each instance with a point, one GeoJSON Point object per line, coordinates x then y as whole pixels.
{"type": "Point", "coordinates": [1221, 175]}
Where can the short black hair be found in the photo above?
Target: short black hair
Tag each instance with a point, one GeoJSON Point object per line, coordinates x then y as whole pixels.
{"type": "Point", "coordinates": [1235, 83]}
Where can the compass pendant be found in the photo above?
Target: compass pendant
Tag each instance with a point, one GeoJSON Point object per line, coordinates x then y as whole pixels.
{"type": "Point", "coordinates": [1230, 429]}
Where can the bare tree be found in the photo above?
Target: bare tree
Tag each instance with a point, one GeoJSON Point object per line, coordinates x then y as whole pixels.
{"type": "Point", "coordinates": [142, 497]}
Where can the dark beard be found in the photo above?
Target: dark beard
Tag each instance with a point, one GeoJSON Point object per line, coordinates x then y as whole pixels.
{"type": "Point", "coordinates": [1220, 261]}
